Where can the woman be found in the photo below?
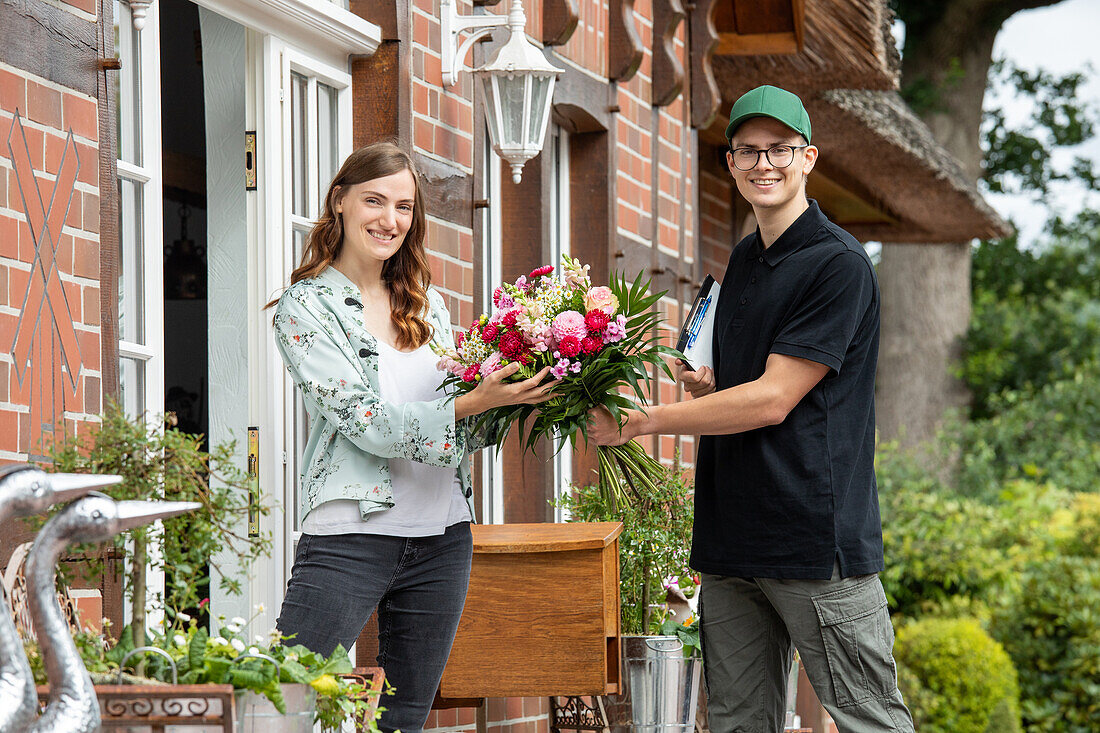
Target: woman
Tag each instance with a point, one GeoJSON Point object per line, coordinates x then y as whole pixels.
{"type": "Point", "coordinates": [385, 486]}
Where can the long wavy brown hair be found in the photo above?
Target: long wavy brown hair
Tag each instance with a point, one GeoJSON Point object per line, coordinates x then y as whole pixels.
{"type": "Point", "coordinates": [406, 274]}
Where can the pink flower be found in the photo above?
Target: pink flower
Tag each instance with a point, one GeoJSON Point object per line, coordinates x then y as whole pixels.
{"type": "Point", "coordinates": [511, 344]}
{"type": "Point", "coordinates": [489, 333]}
{"type": "Point", "coordinates": [560, 369]}
{"type": "Point", "coordinates": [491, 364]}
{"type": "Point", "coordinates": [570, 346]}
{"type": "Point", "coordinates": [569, 323]}
{"type": "Point", "coordinates": [471, 372]}
{"type": "Point", "coordinates": [460, 338]}
{"type": "Point", "coordinates": [497, 292]}
{"type": "Point", "coordinates": [601, 298]}
{"type": "Point", "coordinates": [615, 330]}
{"type": "Point", "coordinates": [509, 319]}
{"type": "Point", "coordinates": [540, 271]}
{"type": "Point", "coordinates": [596, 320]}
{"type": "Point", "coordinates": [521, 283]}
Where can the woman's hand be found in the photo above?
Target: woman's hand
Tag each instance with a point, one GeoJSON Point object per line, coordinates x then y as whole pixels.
{"type": "Point", "coordinates": [699, 382]}
{"type": "Point", "coordinates": [493, 391]}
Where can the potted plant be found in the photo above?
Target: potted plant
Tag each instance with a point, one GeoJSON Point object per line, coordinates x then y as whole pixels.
{"type": "Point", "coordinates": [660, 643]}
{"type": "Point", "coordinates": [158, 462]}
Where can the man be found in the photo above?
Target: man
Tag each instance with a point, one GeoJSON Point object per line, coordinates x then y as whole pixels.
{"type": "Point", "coordinates": [787, 530]}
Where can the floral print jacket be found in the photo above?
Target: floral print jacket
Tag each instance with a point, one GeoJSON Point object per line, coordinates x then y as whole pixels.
{"type": "Point", "coordinates": [353, 432]}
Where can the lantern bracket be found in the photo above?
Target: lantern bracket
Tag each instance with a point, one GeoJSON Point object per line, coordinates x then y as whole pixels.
{"type": "Point", "coordinates": [451, 26]}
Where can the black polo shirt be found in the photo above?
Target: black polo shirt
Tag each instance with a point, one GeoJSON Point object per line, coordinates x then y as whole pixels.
{"type": "Point", "coordinates": [787, 500]}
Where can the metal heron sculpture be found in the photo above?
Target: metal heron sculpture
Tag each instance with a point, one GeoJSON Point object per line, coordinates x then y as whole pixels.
{"type": "Point", "coordinates": [73, 706]}
{"type": "Point", "coordinates": [25, 491]}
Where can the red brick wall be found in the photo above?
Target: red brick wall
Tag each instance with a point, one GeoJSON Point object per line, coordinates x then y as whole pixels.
{"type": "Point", "coordinates": [40, 122]}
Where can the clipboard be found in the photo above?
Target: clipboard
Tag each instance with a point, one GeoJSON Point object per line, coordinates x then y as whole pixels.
{"type": "Point", "coordinates": [696, 340]}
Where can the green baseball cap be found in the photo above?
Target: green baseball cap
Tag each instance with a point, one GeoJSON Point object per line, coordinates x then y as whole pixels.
{"type": "Point", "coordinates": [769, 101]}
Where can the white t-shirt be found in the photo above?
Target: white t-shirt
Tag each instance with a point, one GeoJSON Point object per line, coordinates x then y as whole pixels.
{"type": "Point", "coordinates": [427, 499]}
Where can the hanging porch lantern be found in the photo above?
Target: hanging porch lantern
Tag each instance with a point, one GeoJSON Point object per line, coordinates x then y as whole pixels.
{"type": "Point", "coordinates": [517, 85]}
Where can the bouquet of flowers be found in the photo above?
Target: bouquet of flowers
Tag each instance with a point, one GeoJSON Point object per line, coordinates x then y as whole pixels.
{"type": "Point", "coordinates": [595, 339]}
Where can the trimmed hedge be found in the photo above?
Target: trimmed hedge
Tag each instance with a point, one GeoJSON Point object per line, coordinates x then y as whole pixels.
{"type": "Point", "coordinates": [956, 678]}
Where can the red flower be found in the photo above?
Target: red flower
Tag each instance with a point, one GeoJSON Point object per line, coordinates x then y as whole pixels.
{"type": "Point", "coordinates": [591, 344]}
{"type": "Point", "coordinates": [570, 346]}
{"type": "Point", "coordinates": [460, 338]}
{"type": "Point", "coordinates": [544, 270]}
{"type": "Point", "coordinates": [471, 372]}
{"type": "Point", "coordinates": [524, 358]}
{"type": "Point", "coordinates": [489, 334]}
{"type": "Point", "coordinates": [509, 319]}
{"type": "Point", "coordinates": [596, 320]}
{"type": "Point", "coordinates": [511, 344]}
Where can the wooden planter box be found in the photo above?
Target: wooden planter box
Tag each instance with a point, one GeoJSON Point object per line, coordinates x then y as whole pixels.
{"type": "Point", "coordinates": [542, 613]}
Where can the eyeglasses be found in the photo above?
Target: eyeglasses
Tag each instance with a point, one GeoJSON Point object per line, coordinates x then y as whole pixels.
{"type": "Point", "coordinates": [778, 156]}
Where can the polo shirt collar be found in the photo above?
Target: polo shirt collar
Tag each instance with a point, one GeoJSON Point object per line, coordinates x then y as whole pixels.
{"type": "Point", "coordinates": [796, 236]}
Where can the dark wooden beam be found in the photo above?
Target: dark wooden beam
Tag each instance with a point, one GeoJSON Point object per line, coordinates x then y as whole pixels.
{"type": "Point", "coordinates": [580, 101]}
{"type": "Point", "coordinates": [51, 43]}
{"type": "Point", "coordinates": [705, 96]}
{"type": "Point", "coordinates": [383, 13]}
{"type": "Point", "coordinates": [668, 72]}
{"type": "Point", "coordinates": [624, 52]}
{"type": "Point", "coordinates": [448, 190]}
{"type": "Point", "coordinates": [763, 16]}
{"type": "Point", "coordinates": [107, 107]}
{"type": "Point", "coordinates": [380, 85]}
{"type": "Point", "coordinates": [559, 21]}
{"type": "Point", "coordinates": [525, 233]}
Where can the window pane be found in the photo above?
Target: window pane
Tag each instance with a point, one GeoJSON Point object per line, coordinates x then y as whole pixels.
{"type": "Point", "coordinates": [131, 326]}
{"type": "Point", "coordinates": [132, 385]}
{"type": "Point", "coordinates": [299, 245]}
{"type": "Point", "coordinates": [128, 85]}
{"type": "Point", "coordinates": [327, 138]}
{"type": "Point", "coordinates": [298, 88]}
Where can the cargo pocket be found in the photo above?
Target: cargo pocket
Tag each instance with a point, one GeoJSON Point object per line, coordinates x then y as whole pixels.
{"type": "Point", "coordinates": [858, 638]}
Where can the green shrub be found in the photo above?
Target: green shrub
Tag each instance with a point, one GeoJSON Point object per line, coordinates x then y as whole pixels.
{"type": "Point", "coordinates": [654, 544]}
{"type": "Point", "coordinates": [956, 678]}
{"type": "Point", "coordinates": [1051, 629]}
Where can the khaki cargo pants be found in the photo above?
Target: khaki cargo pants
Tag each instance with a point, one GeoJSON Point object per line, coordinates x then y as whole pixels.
{"type": "Point", "coordinates": [841, 628]}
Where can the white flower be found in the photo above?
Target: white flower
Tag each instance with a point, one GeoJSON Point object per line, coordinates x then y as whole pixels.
{"type": "Point", "coordinates": [238, 621]}
{"type": "Point", "coordinates": [180, 639]}
{"type": "Point", "coordinates": [233, 628]}
{"type": "Point", "coordinates": [259, 608]}
{"type": "Point", "coordinates": [183, 616]}
{"type": "Point", "coordinates": [258, 638]}
{"type": "Point", "coordinates": [253, 650]}
{"type": "Point", "coordinates": [218, 641]}
{"type": "Point", "coordinates": [237, 644]}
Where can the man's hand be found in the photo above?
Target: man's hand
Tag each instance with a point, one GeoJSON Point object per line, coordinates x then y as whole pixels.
{"type": "Point", "coordinates": [699, 382]}
{"type": "Point", "coordinates": [603, 430]}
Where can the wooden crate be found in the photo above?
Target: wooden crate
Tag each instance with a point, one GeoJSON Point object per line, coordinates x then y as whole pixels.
{"type": "Point", "coordinates": [542, 613]}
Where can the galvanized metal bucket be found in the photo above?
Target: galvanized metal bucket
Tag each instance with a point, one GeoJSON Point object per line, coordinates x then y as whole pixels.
{"type": "Point", "coordinates": [256, 714]}
{"type": "Point", "coordinates": [660, 687]}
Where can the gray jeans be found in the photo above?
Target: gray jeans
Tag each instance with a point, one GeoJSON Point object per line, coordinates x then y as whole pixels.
{"type": "Point", "coordinates": [418, 585]}
{"type": "Point", "coordinates": [841, 628]}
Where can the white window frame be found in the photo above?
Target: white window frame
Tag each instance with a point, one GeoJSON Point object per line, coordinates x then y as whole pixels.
{"type": "Point", "coordinates": [492, 459]}
{"type": "Point", "coordinates": [277, 397]}
{"type": "Point", "coordinates": [559, 247]}
{"type": "Point", "coordinates": [149, 351]}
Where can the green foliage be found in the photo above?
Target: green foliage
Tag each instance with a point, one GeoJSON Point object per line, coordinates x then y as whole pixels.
{"type": "Point", "coordinates": [654, 542]}
{"type": "Point", "coordinates": [687, 631]}
{"type": "Point", "coordinates": [168, 464]}
{"type": "Point", "coordinates": [227, 657]}
{"type": "Point", "coordinates": [957, 677]}
{"type": "Point", "coordinates": [1021, 158]}
{"type": "Point", "coordinates": [1052, 631]}
{"type": "Point", "coordinates": [1036, 314]}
